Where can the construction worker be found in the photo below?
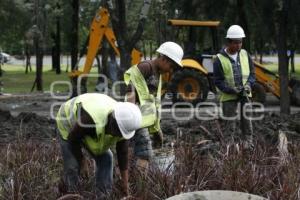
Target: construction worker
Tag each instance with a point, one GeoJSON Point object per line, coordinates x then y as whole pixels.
{"type": "Point", "coordinates": [144, 89]}
{"type": "Point", "coordinates": [234, 76]}
{"type": "Point", "coordinates": [96, 122]}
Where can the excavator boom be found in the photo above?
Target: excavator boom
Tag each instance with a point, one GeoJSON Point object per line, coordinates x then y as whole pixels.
{"type": "Point", "coordinates": [98, 31]}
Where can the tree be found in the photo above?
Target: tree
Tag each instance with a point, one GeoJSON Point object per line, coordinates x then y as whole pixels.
{"type": "Point", "coordinates": [282, 26]}
{"type": "Point", "coordinates": [39, 32]}
{"type": "Point", "coordinates": [126, 41]}
{"type": "Point", "coordinates": [56, 37]}
{"type": "Point", "coordinates": [74, 33]}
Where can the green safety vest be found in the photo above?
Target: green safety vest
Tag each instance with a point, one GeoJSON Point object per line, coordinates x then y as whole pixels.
{"type": "Point", "coordinates": [98, 106]}
{"type": "Point", "coordinates": [228, 73]}
{"type": "Point", "coordinates": [149, 104]}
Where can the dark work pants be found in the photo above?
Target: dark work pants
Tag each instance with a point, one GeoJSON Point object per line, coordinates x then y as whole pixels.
{"type": "Point", "coordinates": [72, 165]}
{"type": "Point", "coordinates": [142, 144]}
{"type": "Point", "coordinates": [233, 112]}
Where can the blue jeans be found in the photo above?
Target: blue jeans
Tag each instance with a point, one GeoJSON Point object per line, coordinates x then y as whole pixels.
{"type": "Point", "coordinates": [72, 163]}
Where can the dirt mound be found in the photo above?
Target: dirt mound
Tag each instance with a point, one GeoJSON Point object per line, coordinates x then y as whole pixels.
{"type": "Point", "coordinates": [214, 130]}
{"type": "Point", "coordinates": [25, 125]}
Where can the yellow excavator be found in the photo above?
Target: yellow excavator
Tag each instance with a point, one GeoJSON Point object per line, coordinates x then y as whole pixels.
{"type": "Point", "coordinates": [98, 31]}
{"type": "Point", "coordinates": [193, 82]}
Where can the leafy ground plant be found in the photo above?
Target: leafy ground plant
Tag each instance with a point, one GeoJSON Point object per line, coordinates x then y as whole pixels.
{"type": "Point", "coordinates": [31, 169]}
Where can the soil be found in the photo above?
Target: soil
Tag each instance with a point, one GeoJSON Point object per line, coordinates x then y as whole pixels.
{"type": "Point", "coordinates": [27, 116]}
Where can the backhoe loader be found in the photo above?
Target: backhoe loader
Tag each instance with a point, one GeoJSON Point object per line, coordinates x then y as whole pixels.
{"type": "Point", "coordinates": [192, 83]}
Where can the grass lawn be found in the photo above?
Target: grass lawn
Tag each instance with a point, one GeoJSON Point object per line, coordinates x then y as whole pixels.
{"type": "Point", "coordinates": [274, 68]}
{"type": "Point", "coordinates": [15, 80]}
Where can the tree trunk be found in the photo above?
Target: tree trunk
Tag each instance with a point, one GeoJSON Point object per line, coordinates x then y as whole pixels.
{"type": "Point", "coordinates": [53, 53]}
{"type": "Point", "coordinates": [125, 41]}
{"type": "Point", "coordinates": [74, 49]}
{"type": "Point", "coordinates": [292, 58]}
{"type": "Point", "coordinates": [242, 20]}
{"type": "Point", "coordinates": [282, 58]}
{"type": "Point", "coordinates": [125, 61]}
{"type": "Point", "coordinates": [57, 47]}
{"type": "Point", "coordinates": [28, 63]}
{"type": "Point", "coordinates": [39, 65]}
{"type": "Point", "coordinates": [74, 34]}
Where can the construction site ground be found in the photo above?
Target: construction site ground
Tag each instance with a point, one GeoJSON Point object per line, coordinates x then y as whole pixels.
{"type": "Point", "coordinates": [196, 153]}
{"type": "Point", "coordinates": [32, 115]}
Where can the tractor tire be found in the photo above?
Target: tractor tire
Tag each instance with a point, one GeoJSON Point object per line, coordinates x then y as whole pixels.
{"type": "Point", "coordinates": [259, 93]}
{"type": "Point", "coordinates": [189, 86]}
{"type": "Point", "coordinates": [295, 95]}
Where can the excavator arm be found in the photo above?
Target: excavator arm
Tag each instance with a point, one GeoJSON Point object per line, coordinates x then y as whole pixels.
{"type": "Point", "coordinates": [268, 79]}
{"type": "Point", "coordinates": [99, 30]}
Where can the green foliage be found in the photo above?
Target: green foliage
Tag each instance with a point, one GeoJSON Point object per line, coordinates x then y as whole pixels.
{"type": "Point", "coordinates": [14, 22]}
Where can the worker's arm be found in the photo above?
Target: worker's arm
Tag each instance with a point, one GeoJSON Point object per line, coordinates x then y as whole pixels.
{"type": "Point", "coordinates": [251, 78]}
{"type": "Point", "coordinates": [78, 132]}
{"type": "Point", "coordinates": [130, 94]}
{"type": "Point", "coordinates": [219, 78]}
{"type": "Point", "coordinates": [79, 129]}
{"type": "Point", "coordinates": [122, 155]}
{"type": "Point", "coordinates": [147, 71]}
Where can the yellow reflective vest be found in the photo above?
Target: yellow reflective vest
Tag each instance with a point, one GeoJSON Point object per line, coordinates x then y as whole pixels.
{"type": "Point", "coordinates": [149, 104]}
{"type": "Point", "coordinates": [228, 73]}
{"type": "Point", "coordinates": [98, 106]}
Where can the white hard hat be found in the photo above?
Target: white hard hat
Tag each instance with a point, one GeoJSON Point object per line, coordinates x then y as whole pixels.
{"type": "Point", "coordinates": [128, 117]}
{"type": "Point", "coordinates": [172, 51]}
{"type": "Point", "coordinates": [235, 32]}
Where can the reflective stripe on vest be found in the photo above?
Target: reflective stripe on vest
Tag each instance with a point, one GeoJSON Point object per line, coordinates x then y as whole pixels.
{"type": "Point", "coordinates": [149, 104]}
{"type": "Point", "coordinates": [98, 106]}
{"type": "Point", "coordinates": [228, 73]}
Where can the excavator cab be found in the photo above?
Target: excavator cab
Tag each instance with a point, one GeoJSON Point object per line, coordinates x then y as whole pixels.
{"type": "Point", "coordinates": [193, 82]}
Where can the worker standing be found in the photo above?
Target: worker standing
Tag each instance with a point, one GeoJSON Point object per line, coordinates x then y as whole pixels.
{"type": "Point", "coordinates": [144, 83]}
{"type": "Point", "coordinates": [96, 122]}
{"type": "Point", "coordinates": [234, 76]}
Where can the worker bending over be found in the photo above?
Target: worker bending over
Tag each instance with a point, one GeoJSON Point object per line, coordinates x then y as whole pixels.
{"type": "Point", "coordinates": [144, 82]}
{"type": "Point", "coordinates": [96, 122]}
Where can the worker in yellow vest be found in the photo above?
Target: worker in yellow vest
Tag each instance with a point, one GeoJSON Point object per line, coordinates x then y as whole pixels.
{"type": "Point", "coordinates": [144, 83]}
{"type": "Point", "coordinates": [234, 76]}
{"type": "Point", "coordinates": [97, 123]}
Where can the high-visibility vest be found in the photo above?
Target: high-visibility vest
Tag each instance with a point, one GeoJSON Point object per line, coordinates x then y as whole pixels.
{"type": "Point", "coordinates": [149, 104]}
{"type": "Point", "coordinates": [228, 73]}
{"type": "Point", "coordinates": [98, 106]}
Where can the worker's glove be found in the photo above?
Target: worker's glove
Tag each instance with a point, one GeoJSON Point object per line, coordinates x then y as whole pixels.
{"type": "Point", "coordinates": [237, 90]}
{"type": "Point", "coordinates": [241, 91]}
{"type": "Point", "coordinates": [247, 88]}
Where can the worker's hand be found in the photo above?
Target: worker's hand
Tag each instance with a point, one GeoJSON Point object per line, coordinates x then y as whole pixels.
{"type": "Point", "coordinates": [125, 189]}
{"type": "Point", "coordinates": [237, 90]}
{"type": "Point", "coordinates": [247, 88]}
{"type": "Point", "coordinates": [158, 139]}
